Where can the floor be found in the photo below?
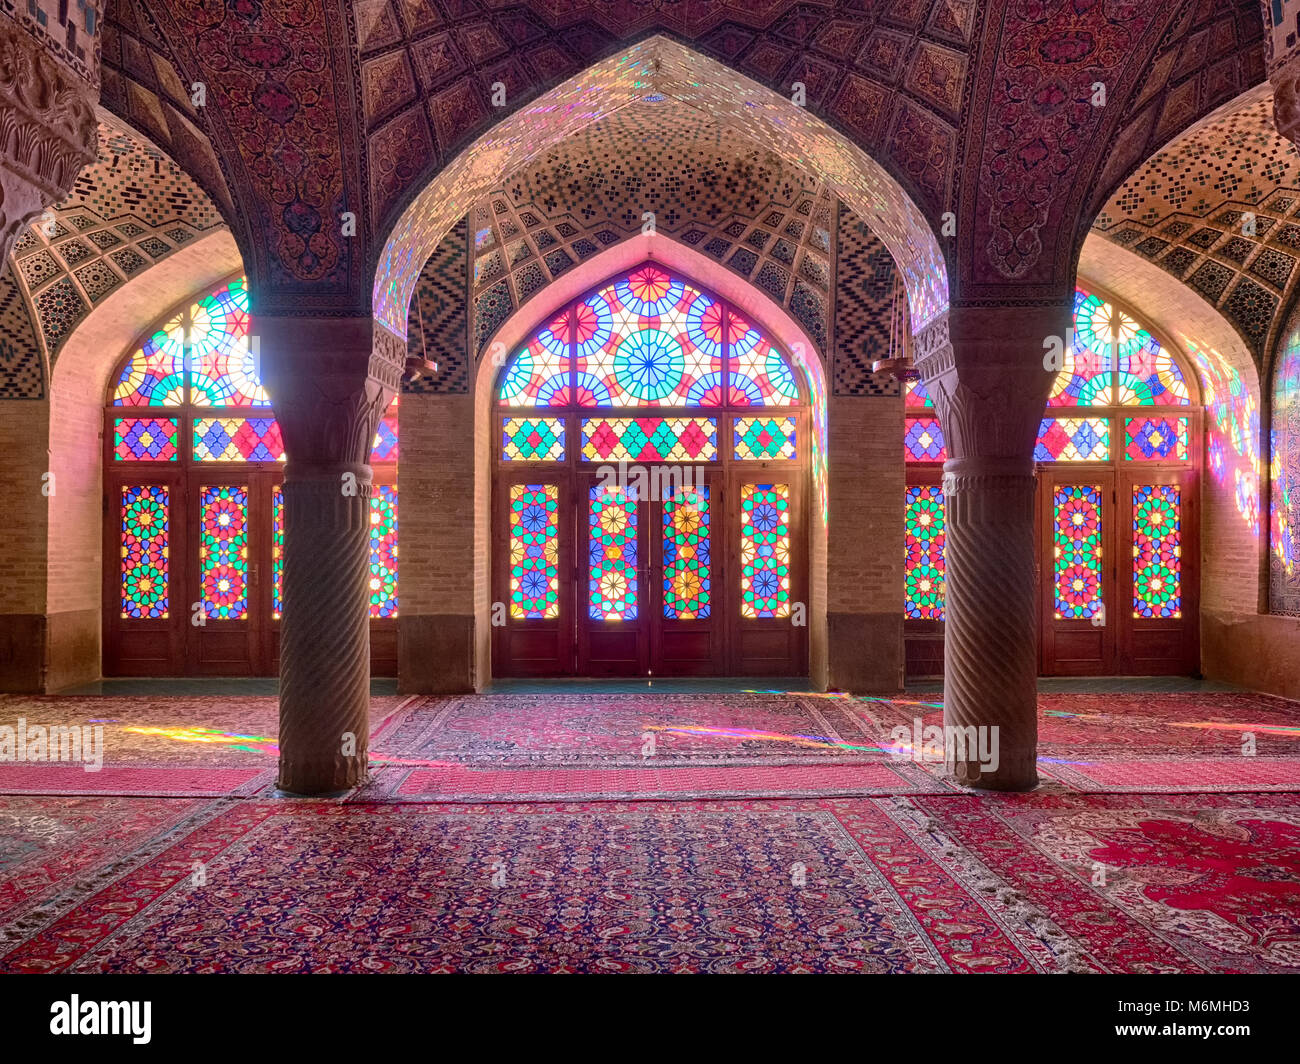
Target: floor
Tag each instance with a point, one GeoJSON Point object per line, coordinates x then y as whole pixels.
{"type": "Point", "coordinates": [683, 826]}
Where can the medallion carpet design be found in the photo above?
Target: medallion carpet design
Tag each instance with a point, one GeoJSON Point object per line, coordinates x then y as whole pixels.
{"type": "Point", "coordinates": [1030, 883]}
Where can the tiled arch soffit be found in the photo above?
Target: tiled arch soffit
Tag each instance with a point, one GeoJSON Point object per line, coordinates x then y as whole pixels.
{"type": "Point", "coordinates": [131, 209]}
{"type": "Point", "coordinates": [1188, 211]}
{"type": "Point", "coordinates": [660, 68]}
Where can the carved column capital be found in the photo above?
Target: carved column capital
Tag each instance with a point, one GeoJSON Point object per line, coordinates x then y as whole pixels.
{"type": "Point", "coordinates": [48, 129]}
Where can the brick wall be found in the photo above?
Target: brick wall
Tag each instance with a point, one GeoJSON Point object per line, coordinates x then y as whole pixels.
{"type": "Point", "coordinates": [24, 426]}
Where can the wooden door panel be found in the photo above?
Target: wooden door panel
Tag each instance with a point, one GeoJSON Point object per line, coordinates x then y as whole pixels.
{"type": "Point", "coordinates": [613, 579]}
{"type": "Point", "coordinates": [687, 572]}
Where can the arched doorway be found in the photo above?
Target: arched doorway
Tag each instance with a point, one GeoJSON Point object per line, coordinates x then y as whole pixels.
{"type": "Point", "coordinates": [1118, 456]}
{"type": "Point", "coordinates": [194, 509]}
{"type": "Point", "coordinates": [650, 490]}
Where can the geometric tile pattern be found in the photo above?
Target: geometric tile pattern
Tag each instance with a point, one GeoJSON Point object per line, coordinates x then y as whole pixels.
{"type": "Point", "coordinates": [1217, 208]}
{"type": "Point", "coordinates": [437, 322]}
{"type": "Point", "coordinates": [707, 185]}
{"type": "Point", "coordinates": [22, 375]}
{"type": "Point", "coordinates": [866, 285]}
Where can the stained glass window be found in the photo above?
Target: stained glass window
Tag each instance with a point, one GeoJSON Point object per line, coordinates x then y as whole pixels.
{"type": "Point", "coordinates": [1153, 438]}
{"type": "Point", "coordinates": [764, 438]}
{"type": "Point", "coordinates": [923, 440]}
{"type": "Point", "coordinates": [1078, 550]}
{"type": "Point", "coordinates": [1157, 550]}
{"type": "Point", "coordinates": [237, 439]}
{"type": "Point", "coordinates": [924, 541]}
{"type": "Point", "coordinates": [154, 375]}
{"type": "Point", "coordinates": [383, 551]}
{"type": "Point", "coordinates": [765, 550]}
{"type": "Point", "coordinates": [1073, 439]}
{"type": "Point", "coordinates": [535, 439]}
{"type": "Point", "coordinates": [1148, 376]}
{"type": "Point", "coordinates": [1085, 376]}
{"type": "Point", "coordinates": [917, 396]}
{"type": "Point", "coordinates": [145, 439]}
{"type": "Point", "coordinates": [144, 566]}
{"type": "Point", "coordinates": [648, 340]}
{"type": "Point", "coordinates": [223, 551]}
{"type": "Point", "coordinates": [277, 551]}
{"type": "Point", "coordinates": [650, 439]}
{"type": "Point", "coordinates": [534, 551]}
{"type": "Point", "coordinates": [539, 374]}
{"type": "Point", "coordinates": [387, 446]}
{"type": "Point", "coordinates": [688, 583]}
{"type": "Point", "coordinates": [759, 375]}
{"type": "Point", "coordinates": [612, 549]}
{"type": "Point", "coordinates": [224, 369]}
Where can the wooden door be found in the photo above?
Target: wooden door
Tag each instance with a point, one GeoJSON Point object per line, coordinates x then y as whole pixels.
{"type": "Point", "coordinates": [687, 571]}
{"type": "Point", "coordinates": [613, 577]}
{"type": "Point", "coordinates": [1078, 572]}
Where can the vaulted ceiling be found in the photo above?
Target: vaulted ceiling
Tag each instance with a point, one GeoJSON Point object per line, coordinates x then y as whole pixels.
{"type": "Point", "coordinates": [313, 108]}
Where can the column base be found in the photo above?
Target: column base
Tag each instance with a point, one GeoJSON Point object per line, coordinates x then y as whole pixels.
{"type": "Point", "coordinates": [321, 779]}
{"type": "Point", "coordinates": [1019, 774]}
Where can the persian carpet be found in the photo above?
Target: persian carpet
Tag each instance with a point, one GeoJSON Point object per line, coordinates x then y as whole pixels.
{"type": "Point", "coordinates": [1029, 883]}
{"type": "Point", "coordinates": [162, 746]}
{"type": "Point", "coordinates": [575, 746]}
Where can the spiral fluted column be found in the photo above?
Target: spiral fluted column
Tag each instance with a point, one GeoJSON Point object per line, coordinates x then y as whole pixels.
{"type": "Point", "coordinates": [989, 370]}
{"type": "Point", "coordinates": [330, 381]}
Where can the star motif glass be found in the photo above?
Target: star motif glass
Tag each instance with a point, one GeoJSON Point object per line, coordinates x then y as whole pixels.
{"type": "Point", "coordinates": [224, 368]}
{"type": "Point", "coordinates": [923, 572]}
{"type": "Point", "coordinates": [1085, 375]}
{"type": "Point", "coordinates": [759, 375]}
{"type": "Point", "coordinates": [688, 583]}
{"type": "Point", "coordinates": [1073, 439]}
{"type": "Point", "coordinates": [277, 551]}
{"type": "Point", "coordinates": [383, 551]}
{"type": "Point", "coordinates": [538, 375]}
{"type": "Point", "coordinates": [534, 551]}
{"type": "Point", "coordinates": [223, 551]}
{"type": "Point", "coordinates": [145, 439]}
{"type": "Point", "coordinates": [923, 440]}
{"type": "Point", "coordinates": [764, 438]}
{"type": "Point", "coordinates": [145, 566]}
{"type": "Point", "coordinates": [650, 439]}
{"type": "Point", "coordinates": [237, 439]}
{"type": "Point", "coordinates": [1151, 439]}
{"type": "Point", "coordinates": [1077, 550]}
{"type": "Point", "coordinates": [765, 550]}
{"type": "Point", "coordinates": [612, 554]}
{"type": "Point", "coordinates": [532, 439]}
{"type": "Point", "coordinates": [1157, 550]}
{"type": "Point", "coordinates": [155, 374]}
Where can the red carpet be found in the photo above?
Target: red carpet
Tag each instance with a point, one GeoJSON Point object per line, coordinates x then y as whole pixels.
{"type": "Point", "coordinates": [917, 884]}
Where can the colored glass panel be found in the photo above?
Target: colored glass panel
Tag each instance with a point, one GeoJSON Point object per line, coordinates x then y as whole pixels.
{"type": "Point", "coordinates": [923, 440]}
{"type": "Point", "coordinates": [611, 576]}
{"type": "Point", "coordinates": [277, 551]}
{"type": "Point", "coordinates": [1085, 376]}
{"type": "Point", "coordinates": [688, 582]}
{"type": "Point", "coordinates": [1148, 376]}
{"type": "Point", "coordinates": [765, 550]}
{"type": "Point", "coordinates": [383, 551]}
{"type": "Point", "coordinates": [923, 574]}
{"type": "Point", "coordinates": [650, 439]}
{"type": "Point", "coordinates": [1073, 439]}
{"type": "Point", "coordinates": [764, 437]}
{"type": "Point", "coordinates": [648, 340]}
{"type": "Point", "coordinates": [154, 375]}
{"type": "Point", "coordinates": [1150, 439]}
{"type": "Point", "coordinates": [538, 375]}
{"type": "Point", "coordinates": [537, 439]}
{"type": "Point", "coordinates": [534, 551]}
{"type": "Point", "coordinates": [1157, 550]}
{"type": "Point", "coordinates": [237, 439]}
{"type": "Point", "coordinates": [917, 396]}
{"type": "Point", "coordinates": [223, 551]}
{"type": "Point", "coordinates": [145, 439]}
{"type": "Point", "coordinates": [145, 565]}
{"type": "Point", "coordinates": [1077, 551]}
{"type": "Point", "coordinates": [387, 445]}
{"type": "Point", "coordinates": [225, 370]}
{"type": "Point", "coordinates": [760, 376]}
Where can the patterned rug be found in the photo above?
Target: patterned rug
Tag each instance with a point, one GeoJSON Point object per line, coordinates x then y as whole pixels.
{"type": "Point", "coordinates": [1031, 883]}
{"type": "Point", "coordinates": [162, 746]}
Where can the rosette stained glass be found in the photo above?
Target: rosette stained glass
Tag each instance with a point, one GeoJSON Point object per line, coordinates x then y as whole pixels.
{"type": "Point", "coordinates": [759, 375]}
{"type": "Point", "coordinates": [539, 373]}
{"type": "Point", "coordinates": [923, 574]}
{"type": "Point", "coordinates": [224, 370]}
{"type": "Point", "coordinates": [765, 550]}
{"type": "Point", "coordinates": [145, 565]}
{"type": "Point", "coordinates": [223, 551]}
{"type": "Point", "coordinates": [1157, 550]}
{"type": "Point", "coordinates": [155, 374]}
{"type": "Point", "coordinates": [612, 553]}
{"type": "Point", "coordinates": [688, 581]}
{"type": "Point", "coordinates": [534, 551]}
{"type": "Point", "coordinates": [1147, 375]}
{"type": "Point", "coordinates": [1085, 375]}
{"type": "Point", "coordinates": [383, 551]}
{"type": "Point", "coordinates": [649, 339]}
{"type": "Point", "coordinates": [1078, 552]}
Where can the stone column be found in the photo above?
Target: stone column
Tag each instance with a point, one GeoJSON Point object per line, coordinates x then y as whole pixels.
{"type": "Point", "coordinates": [331, 381]}
{"type": "Point", "coordinates": [48, 130]}
{"type": "Point", "coordinates": [984, 367]}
